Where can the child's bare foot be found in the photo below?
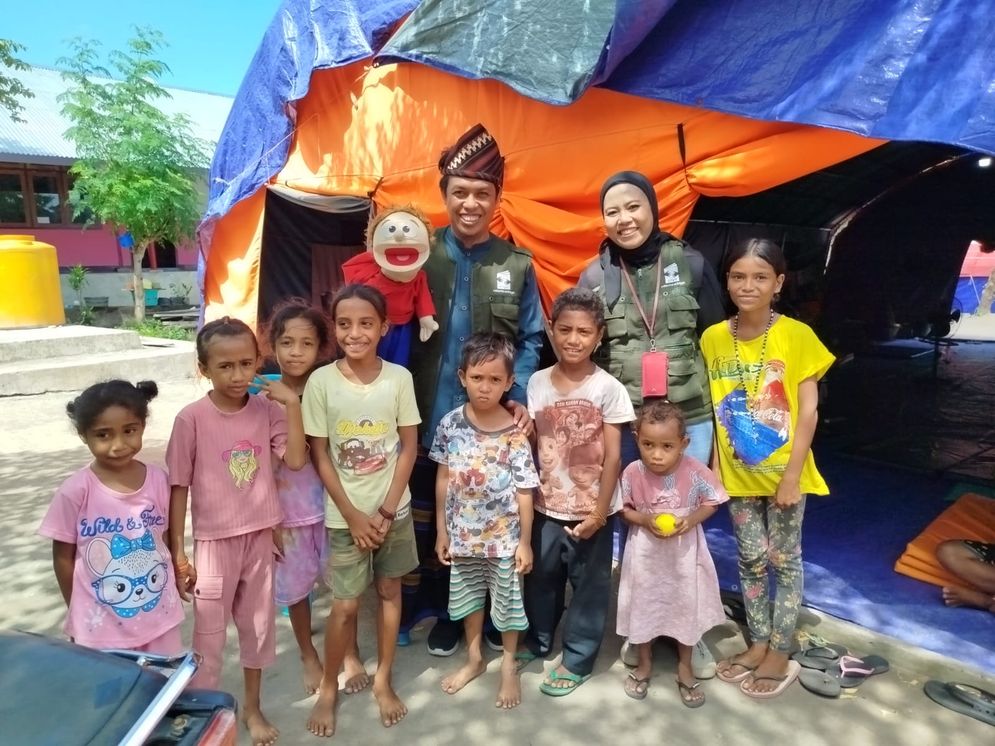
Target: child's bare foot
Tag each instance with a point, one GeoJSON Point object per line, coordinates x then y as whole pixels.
{"type": "Point", "coordinates": [356, 678]}
{"type": "Point", "coordinates": [392, 709]}
{"type": "Point", "coordinates": [954, 596]}
{"type": "Point", "coordinates": [774, 666]}
{"type": "Point", "coordinates": [312, 671]}
{"type": "Point", "coordinates": [463, 676]}
{"type": "Point", "coordinates": [261, 731]}
{"type": "Point", "coordinates": [322, 719]}
{"type": "Point", "coordinates": [510, 692]}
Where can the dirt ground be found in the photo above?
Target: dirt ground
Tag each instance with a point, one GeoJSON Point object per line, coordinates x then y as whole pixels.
{"type": "Point", "coordinates": [39, 449]}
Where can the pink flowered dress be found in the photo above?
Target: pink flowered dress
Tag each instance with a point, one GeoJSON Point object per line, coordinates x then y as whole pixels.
{"type": "Point", "coordinates": [668, 587]}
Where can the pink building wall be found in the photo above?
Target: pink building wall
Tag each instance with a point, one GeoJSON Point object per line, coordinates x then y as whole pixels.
{"type": "Point", "coordinates": [94, 247]}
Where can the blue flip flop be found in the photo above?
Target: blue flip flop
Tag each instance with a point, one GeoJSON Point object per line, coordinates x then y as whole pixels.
{"type": "Point", "coordinates": [546, 687]}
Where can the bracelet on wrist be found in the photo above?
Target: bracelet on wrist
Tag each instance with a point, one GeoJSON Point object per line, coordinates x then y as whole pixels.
{"type": "Point", "coordinates": [386, 513]}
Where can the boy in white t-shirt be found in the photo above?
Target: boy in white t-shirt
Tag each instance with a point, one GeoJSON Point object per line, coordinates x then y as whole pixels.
{"type": "Point", "coordinates": [578, 492]}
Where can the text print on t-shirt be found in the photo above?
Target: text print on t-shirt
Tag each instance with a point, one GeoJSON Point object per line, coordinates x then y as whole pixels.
{"type": "Point", "coordinates": [361, 445]}
{"type": "Point", "coordinates": [148, 518]}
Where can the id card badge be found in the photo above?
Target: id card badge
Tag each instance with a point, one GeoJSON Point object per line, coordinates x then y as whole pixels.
{"type": "Point", "coordinates": [654, 373]}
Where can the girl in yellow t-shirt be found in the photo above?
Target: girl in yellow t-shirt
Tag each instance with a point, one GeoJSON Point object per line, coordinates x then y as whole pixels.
{"type": "Point", "coordinates": [763, 375]}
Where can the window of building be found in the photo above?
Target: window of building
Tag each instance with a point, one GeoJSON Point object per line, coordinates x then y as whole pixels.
{"type": "Point", "coordinates": [47, 198]}
{"type": "Point", "coordinates": [33, 196]}
{"type": "Point", "coordinates": [12, 205]}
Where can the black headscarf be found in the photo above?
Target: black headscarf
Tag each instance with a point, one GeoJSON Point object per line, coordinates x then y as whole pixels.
{"type": "Point", "coordinates": [611, 255]}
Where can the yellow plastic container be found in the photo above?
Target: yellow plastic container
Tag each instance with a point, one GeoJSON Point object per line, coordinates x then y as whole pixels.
{"type": "Point", "coordinates": [29, 284]}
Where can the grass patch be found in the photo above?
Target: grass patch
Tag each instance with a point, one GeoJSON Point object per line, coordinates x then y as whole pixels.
{"type": "Point", "coordinates": [155, 328]}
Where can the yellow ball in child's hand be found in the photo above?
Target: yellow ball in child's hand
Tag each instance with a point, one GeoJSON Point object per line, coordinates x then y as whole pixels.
{"type": "Point", "coordinates": [666, 523]}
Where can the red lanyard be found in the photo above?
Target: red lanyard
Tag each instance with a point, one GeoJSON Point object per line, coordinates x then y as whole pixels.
{"type": "Point", "coordinates": [650, 325]}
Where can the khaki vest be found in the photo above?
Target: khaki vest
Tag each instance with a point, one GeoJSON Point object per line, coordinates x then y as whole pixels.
{"type": "Point", "coordinates": [496, 284]}
{"type": "Point", "coordinates": [675, 331]}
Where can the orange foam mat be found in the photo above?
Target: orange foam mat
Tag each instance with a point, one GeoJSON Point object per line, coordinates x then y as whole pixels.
{"type": "Point", "coordinates": [970, 517]}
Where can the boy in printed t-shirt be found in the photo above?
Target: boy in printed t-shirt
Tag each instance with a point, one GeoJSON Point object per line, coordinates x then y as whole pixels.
{"type": "Point", "coordinates": [484, 510]}
{"type": "Point", "coordinates": [577, 494]}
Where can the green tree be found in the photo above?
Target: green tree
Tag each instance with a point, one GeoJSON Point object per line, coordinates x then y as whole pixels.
{"type": "Point", "coordinates": [11, 89]}
{"type": "Point", "coordinates": [138, 168]}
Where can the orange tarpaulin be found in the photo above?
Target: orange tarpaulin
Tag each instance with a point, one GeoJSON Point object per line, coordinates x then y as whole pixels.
{"type": "Point", "coordinates": [971, 517]}
{"type": "Point", "coordinates": [379, 131]}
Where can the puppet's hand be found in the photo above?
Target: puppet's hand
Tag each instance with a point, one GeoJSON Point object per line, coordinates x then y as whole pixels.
{"type": "Point", "coordinates": [428, 327]}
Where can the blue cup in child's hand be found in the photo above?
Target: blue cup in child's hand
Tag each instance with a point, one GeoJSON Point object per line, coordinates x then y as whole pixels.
{"type": "Point", "coordinates": [255, 388]}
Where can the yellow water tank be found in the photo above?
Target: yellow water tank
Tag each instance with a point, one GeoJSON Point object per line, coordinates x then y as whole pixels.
{"type": "Point", "coordinates": [29, 284]}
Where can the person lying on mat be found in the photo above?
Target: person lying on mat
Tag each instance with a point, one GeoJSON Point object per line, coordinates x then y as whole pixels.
{"type": "Point", "coordinates": [974, 563]}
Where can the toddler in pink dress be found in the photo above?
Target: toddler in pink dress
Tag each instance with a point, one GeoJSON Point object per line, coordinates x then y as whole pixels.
{"type": "Point", "coordinates": [668, 587]}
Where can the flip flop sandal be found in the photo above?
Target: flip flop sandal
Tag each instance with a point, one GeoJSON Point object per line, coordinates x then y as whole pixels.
{"type": "Point", "coordinates": [523, 658]}
{"type": "Point", "coordinates": [820, 682]}
{"type": "Point", "coordinates": [963, 698]}
{"type": "Point", "coordinates": [853, 671]}
{"type": "Point", "coordinates": [735, 678]}
{"type": "Point", "coordinates": [819, 657]}
{"type": "Point", "coordinates": [783, 682]}
{"type": "Point", "coordinates": [687, 698]}
{"type": "Point", "coordinates": [575, 681]}
{"type": "Point", "coordinates": [636, 687]}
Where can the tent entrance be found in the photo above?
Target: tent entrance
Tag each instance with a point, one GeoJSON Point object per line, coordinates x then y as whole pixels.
{"type": "Point", "coordinates": [306, 238]}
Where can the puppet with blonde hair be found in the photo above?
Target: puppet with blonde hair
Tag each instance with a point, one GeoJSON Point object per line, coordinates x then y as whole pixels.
{"type": "Point", "coordinates": [398, 242]}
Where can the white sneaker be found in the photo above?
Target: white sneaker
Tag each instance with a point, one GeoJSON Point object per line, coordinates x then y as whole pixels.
{"type": "Point", "coordinates": [630, 656]}
{"type": "Point", "coordinates": [702, 662]}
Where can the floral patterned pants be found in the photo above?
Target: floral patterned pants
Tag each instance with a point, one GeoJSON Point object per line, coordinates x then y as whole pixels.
{"type": "Point", "coordinates": [769, 535]}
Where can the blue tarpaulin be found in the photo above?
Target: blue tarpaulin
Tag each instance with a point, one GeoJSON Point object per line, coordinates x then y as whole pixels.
{"type": "Point", "coordinates": [892, 69]}
{"type": "Point", "coordinates": [920, 70]}
{"type": "Point", "coordinates": [305, 35]}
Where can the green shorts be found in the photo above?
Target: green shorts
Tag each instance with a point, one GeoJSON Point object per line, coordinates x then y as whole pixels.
{"type": "Point", "coordinates": [351, 570]}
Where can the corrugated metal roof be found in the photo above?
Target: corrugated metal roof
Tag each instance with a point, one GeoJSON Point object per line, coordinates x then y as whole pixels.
{"type": "Point", "coordinates": [39, 138]}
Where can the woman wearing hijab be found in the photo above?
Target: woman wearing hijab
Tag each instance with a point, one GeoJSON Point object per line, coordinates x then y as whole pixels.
{"type": "Point", "coordinates": [659, 295]}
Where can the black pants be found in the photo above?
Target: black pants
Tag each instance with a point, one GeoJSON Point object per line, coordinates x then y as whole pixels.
{"type": "Point", "coordinates": [425, 590]}
{"type": "Point", "coordinates": [587, 565]}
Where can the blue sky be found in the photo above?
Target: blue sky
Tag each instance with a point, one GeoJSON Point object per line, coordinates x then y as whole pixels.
{"type": "Point", "coordinates": [211, 42]}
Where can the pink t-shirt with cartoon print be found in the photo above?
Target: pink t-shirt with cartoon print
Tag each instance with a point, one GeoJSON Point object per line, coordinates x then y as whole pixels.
{"type": "Point", "coordinates": [124, 595]}
{"type": "Point", "coordinates": [227, 460]}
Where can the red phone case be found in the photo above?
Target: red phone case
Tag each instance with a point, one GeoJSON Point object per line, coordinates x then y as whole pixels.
{"type": "Point", "coordinates": [654, 374]}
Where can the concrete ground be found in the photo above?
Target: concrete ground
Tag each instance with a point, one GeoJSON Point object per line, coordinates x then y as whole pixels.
{"type": "Point", "coordinates": [39, 449]}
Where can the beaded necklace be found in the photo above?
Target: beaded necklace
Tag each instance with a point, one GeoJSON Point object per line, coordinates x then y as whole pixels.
{"type": "Point", "coordinates": [739, 362]}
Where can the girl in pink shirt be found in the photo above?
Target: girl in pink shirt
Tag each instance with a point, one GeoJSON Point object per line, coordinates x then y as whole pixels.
{"type": "Point", "coordinates": [107, 524]}
{"type": "Point", "coordinates": [219, 455]}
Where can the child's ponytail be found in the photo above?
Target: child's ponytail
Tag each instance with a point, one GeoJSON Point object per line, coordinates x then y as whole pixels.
{"type": "Point", "coordinates": [148, 388]}
{"type": "Point", "coordinates": [84, 410]}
